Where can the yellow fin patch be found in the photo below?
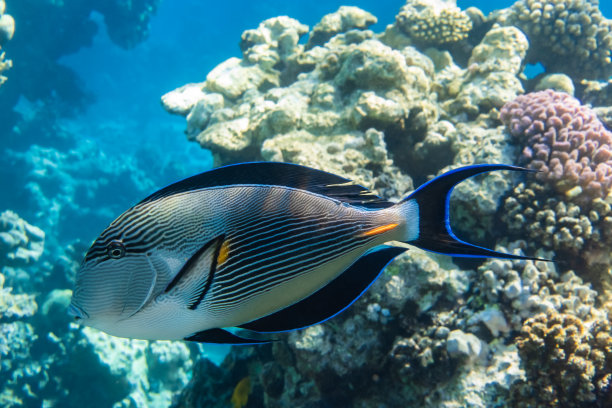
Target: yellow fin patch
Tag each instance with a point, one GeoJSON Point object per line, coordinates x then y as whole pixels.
{"type": "Point", "coordinates": [379, 230]}
{"type": "Point", "coordinates": [223, 252]}
{"type": "Point", "coordinates": [240, 396]}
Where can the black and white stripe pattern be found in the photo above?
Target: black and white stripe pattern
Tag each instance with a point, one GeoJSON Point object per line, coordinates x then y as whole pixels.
{"type": "Point", "coordinates": [274, 235]}
{"type": "Point", "coordinates": [269, 251]}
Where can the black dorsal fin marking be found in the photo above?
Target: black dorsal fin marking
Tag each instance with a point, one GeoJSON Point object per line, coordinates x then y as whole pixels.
{"type": "Point", "coordinates": [330, 300]}
{"type": "Point", "coordinates": [202, 287]}
{"type": "Point", "coordinates": [220, 336]}
{"type": "Point", "coordinates": [280, 174]}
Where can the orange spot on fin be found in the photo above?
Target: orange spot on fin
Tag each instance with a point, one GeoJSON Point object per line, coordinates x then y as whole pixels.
{"type": "Point", "coordinates": [379, 230]}
{"type": "Point", "coordinates": [223, 252]}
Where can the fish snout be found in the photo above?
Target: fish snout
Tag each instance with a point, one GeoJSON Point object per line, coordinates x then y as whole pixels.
{"type": "Point", "coordinates": [77, 312]}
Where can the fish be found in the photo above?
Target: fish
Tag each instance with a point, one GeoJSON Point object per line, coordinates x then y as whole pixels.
{"type": "Point", "coordinates": [240, 395]}
{"type": "Point", "coordinates": [238, 253]}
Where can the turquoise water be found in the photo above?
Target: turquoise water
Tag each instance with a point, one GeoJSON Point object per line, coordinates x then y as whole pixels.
{"type": "Point", "coordinates": [84, 136]}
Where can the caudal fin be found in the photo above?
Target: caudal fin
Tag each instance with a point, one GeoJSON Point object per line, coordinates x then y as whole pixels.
{"type": "Point", "coordinates": [432, 206]}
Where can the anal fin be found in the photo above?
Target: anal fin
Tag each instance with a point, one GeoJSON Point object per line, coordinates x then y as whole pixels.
{"type": "Point", "coordinates": [330, 300]}
{"type": "Point", "coordinates": [220, 336]}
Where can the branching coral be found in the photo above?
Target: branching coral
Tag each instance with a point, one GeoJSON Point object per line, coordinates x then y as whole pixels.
{"type": "Point", "coordinates": [553, 223]}
{"type": "Point", "coordinates": [435, 22]}
{"type": "Point", "coordinates": [569, 36]}
{"type": "Point", "coordinates": [565, 141]}
{"type": "Point", "coordinates": [567, 363]}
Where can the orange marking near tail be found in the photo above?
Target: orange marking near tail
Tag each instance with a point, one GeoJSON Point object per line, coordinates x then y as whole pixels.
{"type": "Point", "coordinates": [223, 252]}
{"type": "Point", "coordinates": [379, 230]}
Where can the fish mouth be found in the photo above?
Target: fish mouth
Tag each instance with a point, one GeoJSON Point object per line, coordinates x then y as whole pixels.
{"type": "Point", "coordinates": [77, 312]}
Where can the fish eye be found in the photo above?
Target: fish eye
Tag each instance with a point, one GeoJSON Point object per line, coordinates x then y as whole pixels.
{"type": "Point", "coordinates": [115, 249]}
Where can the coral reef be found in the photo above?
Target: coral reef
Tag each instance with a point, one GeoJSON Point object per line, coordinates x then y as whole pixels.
{"type": "Point", "coordinates": [44, 359]}
{"type": "Point", "coordinates": [433, 22]}
{"type": "Point", "coordinates": [568, 363]}
{"type": "Point", "coordinates": [20, 242]}
{"type": "Point", "coordinates": [127, 21]}
{"type": "Point", "coordinates": [556, 82]}
{"type": "Point", "coordinates": [254, 117]}
{"type": "Point", "coordinates": [7, 30]}
{"type": "Point", "coordinates": [37, 73]}
{"type": "Point", "coordinates": [564, 141]}
{"type": "Point", "coordinates": [552, 222]}
{"type": "Point", "coordinates": [345, 19]}
{"type": "Point", "coordinates": [382, 109]}
{"type": "Point", "coordinates": [490, 79]}
{"type": "Point", "coordinates": [285, 101]}
{"type": "Point", "coordinates": [568, 36]}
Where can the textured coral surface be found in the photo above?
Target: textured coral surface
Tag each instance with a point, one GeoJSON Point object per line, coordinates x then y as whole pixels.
{"type": "Point", "coordinates": [569, 36]}
{"type": "Point", "coordinates": [564, 141]}
{"type": "Point", "coordinates": [569, 364]}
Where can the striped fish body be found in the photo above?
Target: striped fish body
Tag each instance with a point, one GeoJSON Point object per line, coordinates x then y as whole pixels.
{"type": "Point", "coordinates": [234, 249]}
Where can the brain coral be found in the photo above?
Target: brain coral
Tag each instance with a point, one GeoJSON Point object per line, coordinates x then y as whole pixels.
{"type": "Point", "coordinates": [569, 36]}
{"type": "Point", "coordinates": [565, 141]}
{"type": "Point", "coordinates": [567, 362]}
{"type": "Point", "coordinates": [433, 22]}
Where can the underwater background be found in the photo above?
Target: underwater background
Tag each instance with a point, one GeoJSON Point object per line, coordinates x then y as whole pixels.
{"type": "Point", "coordinates": [388, 93]}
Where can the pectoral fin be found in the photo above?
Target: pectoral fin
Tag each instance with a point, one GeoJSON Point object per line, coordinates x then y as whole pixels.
{"type": "Point", "coordinates": [194, 279]}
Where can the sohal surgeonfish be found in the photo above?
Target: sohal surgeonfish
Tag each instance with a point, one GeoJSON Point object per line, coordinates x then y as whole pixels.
{"type": "Point", "coordinates": [263, 247]}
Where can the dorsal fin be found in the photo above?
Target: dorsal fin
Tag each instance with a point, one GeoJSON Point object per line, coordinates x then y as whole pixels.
{"type": "Point", "coordinates": [280, 174]}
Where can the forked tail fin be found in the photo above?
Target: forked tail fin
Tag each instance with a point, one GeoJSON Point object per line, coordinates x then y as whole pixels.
{"type": "Point", "coordinates": [432, 210]}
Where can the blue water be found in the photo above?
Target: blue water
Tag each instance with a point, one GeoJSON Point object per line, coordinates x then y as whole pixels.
{"type": "Point", "coordinates": [124, 145]}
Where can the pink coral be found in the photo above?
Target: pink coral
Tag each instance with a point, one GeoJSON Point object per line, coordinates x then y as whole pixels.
{"type": "Point", "coordinates": [564, 140]}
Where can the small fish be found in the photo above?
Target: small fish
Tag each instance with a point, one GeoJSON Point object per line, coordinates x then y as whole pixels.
{"type": "Point", "coordinates": [240, 396]}
{"type": "Point", "coordinates": [255, 247]}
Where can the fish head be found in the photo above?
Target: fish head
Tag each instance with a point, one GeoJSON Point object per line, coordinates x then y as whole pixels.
{"type": "Point", "coordinates": [113, 283]}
